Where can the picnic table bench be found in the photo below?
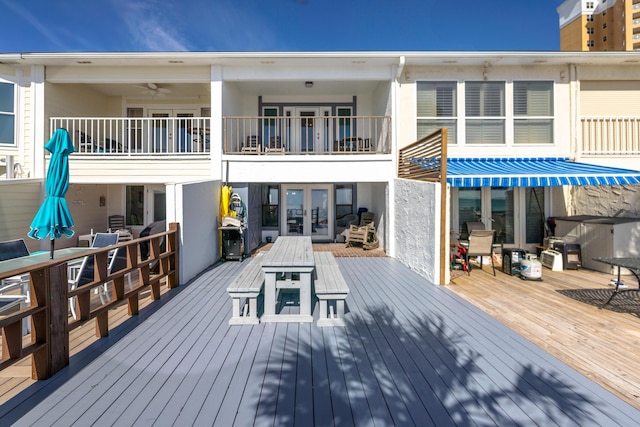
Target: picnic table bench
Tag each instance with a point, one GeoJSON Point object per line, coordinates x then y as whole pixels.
{"type": "Point", "coordinates": [331, 290]}
{"type": "Point", "coordinates": [244, 291]}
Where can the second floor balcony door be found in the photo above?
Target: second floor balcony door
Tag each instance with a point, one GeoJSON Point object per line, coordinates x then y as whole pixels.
{"type": "Point", "coordinates": [308, 130]}
{"type": "Point", "coordinates": [169, 137]}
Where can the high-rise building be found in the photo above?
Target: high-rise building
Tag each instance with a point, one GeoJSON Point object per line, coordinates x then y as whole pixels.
{"type": "Point", "coordinates": [587, 25]}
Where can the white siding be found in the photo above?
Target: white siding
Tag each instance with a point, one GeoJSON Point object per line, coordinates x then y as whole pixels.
{"type": "Point", "coordinates": [19, 202]}
{"type": "Point", "coordinates": [129, 170]}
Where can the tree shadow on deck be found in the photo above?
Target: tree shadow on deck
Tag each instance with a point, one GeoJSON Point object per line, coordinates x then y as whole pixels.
{"type": "Point", "coordinates": [412, 371]}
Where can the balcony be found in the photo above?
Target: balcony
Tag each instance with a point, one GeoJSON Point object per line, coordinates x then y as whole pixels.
{"type": "Point", "coordinates": [610, 136]}
{"type": "Point", "coordinates": [307, 135]}
{"type": "Point", "coordinates": [109, 136]}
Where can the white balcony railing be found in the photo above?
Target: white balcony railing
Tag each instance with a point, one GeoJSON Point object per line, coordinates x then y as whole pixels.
{"type": "Point", "coordinates": [307, 135]}
{"type": "Point", "coordinates": [137, 136]}
{"type": "Point", "coordinates": [612, 136]}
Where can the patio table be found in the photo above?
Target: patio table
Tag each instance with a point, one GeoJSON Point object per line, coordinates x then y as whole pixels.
{"type": "Point", "coordinates": [289, 264]}
{"type": "Point", "coordinates": [631, 264]}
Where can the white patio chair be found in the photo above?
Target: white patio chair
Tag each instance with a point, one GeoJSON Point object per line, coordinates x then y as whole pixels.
{"type": "Point", "coordinates": [82, 273]}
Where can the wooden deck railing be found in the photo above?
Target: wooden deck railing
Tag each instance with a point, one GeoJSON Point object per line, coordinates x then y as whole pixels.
{"type": "Point", "coordinates": [49, 310]}
{"type": "Point", "coordinates": [610, 136]}
{"type": "Point", "coordinates": [307, 135]}
{"type": "Point", "coordinates": [158, 136]}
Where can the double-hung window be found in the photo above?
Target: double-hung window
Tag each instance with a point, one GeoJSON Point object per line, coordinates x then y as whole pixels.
{"type": "Point", "coordinates": [436, 104]}
{"type": "Point", "coordinates": [7, 113]}
{"type": "Point", "coordinates": [533, 112]}
{"type": "Point", "coordinates": [485, 112]}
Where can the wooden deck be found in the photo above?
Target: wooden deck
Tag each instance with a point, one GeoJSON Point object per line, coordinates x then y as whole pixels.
{"type": "Point", "coordinates": [602, 344]}
{"type": "Point", "coordinates": [411, 354]}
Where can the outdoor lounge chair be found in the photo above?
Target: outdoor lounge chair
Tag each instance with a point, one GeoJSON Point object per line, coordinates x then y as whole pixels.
{"type": "Point", "coordinates": [367, 217]}
{"type": "Point", "coordinates": [117, 262]}
{"type": "Point", "coordinates": [252, 144]}
{"type": "Point", "coordinates": [15, 249]}
{"type": "Point", "coordinates": [116, 222]}
{"type": "Point", "coordinates": [82, 273]}
{"type": "Point", "coordinates": [363, 235]}
{"type": "Point", "coordinates": [275, 145]}
{"type": "Point", "coordinates": [481, 245]}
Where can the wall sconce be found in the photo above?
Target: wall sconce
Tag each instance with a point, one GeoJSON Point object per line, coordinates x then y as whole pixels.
{"type": "Point", "coordinates": [103, 201]}
{"type": "Point", "coordinates": [562, 75]}
{"type": "Point", "coordinates": [308, 84]}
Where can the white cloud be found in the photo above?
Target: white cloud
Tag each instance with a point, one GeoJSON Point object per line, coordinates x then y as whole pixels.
{"type": "Point", "coordinates": [150, 25]}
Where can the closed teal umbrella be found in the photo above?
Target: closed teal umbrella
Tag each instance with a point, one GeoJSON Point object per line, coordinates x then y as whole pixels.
{"type": "Point", "coordinates": [53, 218]}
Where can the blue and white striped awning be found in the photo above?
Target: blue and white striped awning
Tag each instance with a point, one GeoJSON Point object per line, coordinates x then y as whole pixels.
{"type": "Point", "coordinates": [533, 172]}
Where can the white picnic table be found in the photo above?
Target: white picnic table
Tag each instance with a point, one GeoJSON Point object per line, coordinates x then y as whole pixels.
{"type": "Point", "coordinates": [289, 264]}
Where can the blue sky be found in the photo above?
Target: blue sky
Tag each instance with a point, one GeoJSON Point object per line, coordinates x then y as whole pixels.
{"type": "Point", "coordinates": [278, 25]}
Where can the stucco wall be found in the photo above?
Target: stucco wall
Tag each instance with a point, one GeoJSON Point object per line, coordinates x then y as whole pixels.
{"type": "Point", "coordinates": [622, 201]}
{"type": "Point", "coordinates": [417, 237]}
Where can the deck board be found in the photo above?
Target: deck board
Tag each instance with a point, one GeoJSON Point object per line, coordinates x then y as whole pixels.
{"type": "Point", "coordinates": [411, 353]}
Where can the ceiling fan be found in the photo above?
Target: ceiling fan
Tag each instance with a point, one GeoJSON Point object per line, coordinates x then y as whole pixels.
{"type": "Point", "coordinates": [154, 90]}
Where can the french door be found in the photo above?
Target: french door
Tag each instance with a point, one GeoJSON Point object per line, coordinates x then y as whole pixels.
{"type": "Point", "coordinates": [307, 131]}
{"type": "Point", "coordinates": [516, 214]}
{"type": "Point", "coordinates": [170, 136]}
{"type": "Point", "coordinates": [308, 210]}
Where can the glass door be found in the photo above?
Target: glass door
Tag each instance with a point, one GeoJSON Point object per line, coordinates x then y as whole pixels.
{"type": "Point", "coordinates": [516, 214]}
{"type": "Point", "coordinates": [170, 135]}
{"type": "Point", "coordinates": [308, 209]}
{"type": "Point", "coordinates": [160, 131]}
{"type": "Point", "coordinates": [309, 128]}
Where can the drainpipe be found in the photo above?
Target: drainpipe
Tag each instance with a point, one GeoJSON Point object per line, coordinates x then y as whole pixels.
{"type": "Point", "coordinates": [390, 233]}
{"type": "Point", "coordinates": [574, 85]}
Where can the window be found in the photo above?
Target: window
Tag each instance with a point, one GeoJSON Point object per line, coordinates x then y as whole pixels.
{"type": "Point", "coordinates": [589, 18]}
{"type": "Point", "coordinates": [604, 25]}
{"type": "Point", "coordinates": [437, 108]}
{"type": "Point", "coordinates": [604, 39]}
{"type": "Point", "coordinates": [134, 128]}
{"type": "Point", "coordinates": [589, 5]}
{"type": "Point", "coordinates": [484, 106]}
{"type": "Point", "coordinates": [269, 125]}
{"type": "Point", "coordinates": [135, 204]}
{"type": "Point", "coordinates": [270, 205]}
{"type": "Point", "coordinates": [533, 112]}
{"type": "Point", "coordinates": [344, 200]}
{"type": "Point", "coordinates": [344, 123]}
{"type": "Point", "coordinates": [7, 113]}
{"type": "Point", "coordinates": [589, 30]}
{"type": "Point", "coordinates": [590, 43]}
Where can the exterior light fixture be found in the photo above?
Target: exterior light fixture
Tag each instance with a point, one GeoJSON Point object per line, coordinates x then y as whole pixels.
{"type": "Point", "coordinates": [308, 84]}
